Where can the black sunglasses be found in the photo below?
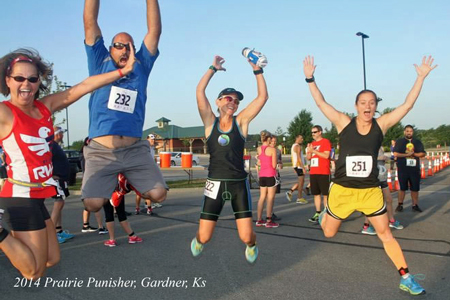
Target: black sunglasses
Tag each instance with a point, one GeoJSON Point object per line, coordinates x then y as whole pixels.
{"type": "Point", "coordinates": [314, 132]}
{"type": "Point", "coordinates": [120, 46]}
{"type": "Point", "coordinates": [33, 79]}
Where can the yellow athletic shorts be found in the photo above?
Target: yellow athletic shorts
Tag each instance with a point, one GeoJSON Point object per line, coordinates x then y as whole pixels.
{"type": "Point", "coordinates": [343, 201]}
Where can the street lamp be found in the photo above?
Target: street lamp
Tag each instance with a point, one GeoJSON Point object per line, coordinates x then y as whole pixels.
{"type": "Point", "coordinates": [67, 117]}
{"type": "Point", "coordinates": [363, 36]}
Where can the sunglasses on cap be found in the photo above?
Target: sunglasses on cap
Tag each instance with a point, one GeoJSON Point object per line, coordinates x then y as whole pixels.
{"type": "Point", "coordinates": [230, 99]}
{"type": "Point", "coordinates": [120, 46]}
{"type": "Point", "coordinates": [32, 79]}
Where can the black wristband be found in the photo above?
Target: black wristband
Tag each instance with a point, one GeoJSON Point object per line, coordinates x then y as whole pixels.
{"type": "Point", "coordinates": [260, 71]}
{"type": "Point", "coordinates": [309, 80]}
{"type": "Point", "coordinates": [213, 68]}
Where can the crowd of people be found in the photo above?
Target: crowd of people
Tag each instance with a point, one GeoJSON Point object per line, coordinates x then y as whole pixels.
{"type": "Point", "coordinates": [117, 161]}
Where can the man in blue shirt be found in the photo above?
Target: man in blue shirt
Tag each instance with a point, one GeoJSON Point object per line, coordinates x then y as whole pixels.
{"type": "Point", "coordinates": [117, 113]}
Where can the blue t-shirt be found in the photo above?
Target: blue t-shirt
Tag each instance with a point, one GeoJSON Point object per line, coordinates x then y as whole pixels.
{"type": "Point", "coordinates": [105, 121]}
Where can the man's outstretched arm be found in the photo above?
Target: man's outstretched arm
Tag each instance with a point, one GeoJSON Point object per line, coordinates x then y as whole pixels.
{"type": "Point", "coordinates": [154, 26]}
{"type": "Point", "coordinates": [92, 31]}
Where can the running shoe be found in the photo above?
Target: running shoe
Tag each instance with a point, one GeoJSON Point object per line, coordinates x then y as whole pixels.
{"type": "Point", "coordinates": [416, 208]}
{"type": "Point", "coordinates": [289, 196]}
{"type": "Point", "coordinates": [396, 225]}
{"type": "Point", "coordinates": [307, 191]}
{"type": "Point", "coordinates": [315, 218]}
{"type": "Point", "coordinates": [110, 243]}
{"type": "Point", "coordinates": [156, 205]}
{"type": "Point", "coordinates": [137, 211]}
{"type": "Point", "coordinates": [60, 239]}
{"type": "Point", "coordinates": [66, 235]}
{"type": "Point", "coordinates": [324, 211]}
{"type": "Point", "coordinates": [102, 230]}
{"type": "Point", "coordinates": [149, 211]}
{"type": "Point", "coordinates": [251, 253]}
{"type": "Point", "coordinates": [302, 201]}
{"type": "Point", "coordinates": [260, 223]}
{"type": "Point", "coordinates": [368, 230]}
{"type": "Point", "coordinates": [271, 224]}
{"type": "Point", "coordinates": [399, 208]}
{"type": "Point", "coordinates": [411, 286]}
{"type": "Point", "coordinates": [196, 247]}
{"type": "Point", "coordinates": [275, 217]}
{"type": "Point", "coordinates": [134, 239]}
{"type": "Point", "coordinates": [88, 229]}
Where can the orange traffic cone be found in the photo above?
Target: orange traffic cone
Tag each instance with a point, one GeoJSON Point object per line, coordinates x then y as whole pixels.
{"type": "Point", "coordinates": [441, 166]}
{"type": "Point", "coordinates": [430, 169]}
{"type": "Point", "coordinates": [389, 180]}
{"type": "Point", "coordinates": [422, 171]}
{"type": "Point", "coordinates": [397, 186]}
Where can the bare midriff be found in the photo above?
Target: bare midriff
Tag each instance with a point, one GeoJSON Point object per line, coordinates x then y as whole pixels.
{"type": "Point", "coordinates": [116, 141]}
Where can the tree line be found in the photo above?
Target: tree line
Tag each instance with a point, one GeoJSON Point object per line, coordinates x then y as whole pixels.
{"type": "Point", "coordinates": [303, 122]}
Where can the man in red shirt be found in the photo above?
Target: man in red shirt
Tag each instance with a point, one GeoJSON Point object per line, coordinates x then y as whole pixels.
{"type": "Point", "coordinates": [319, 156]}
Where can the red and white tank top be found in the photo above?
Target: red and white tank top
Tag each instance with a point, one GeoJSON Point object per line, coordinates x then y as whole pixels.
{"type": "Point", "coordinates": [28, 153]}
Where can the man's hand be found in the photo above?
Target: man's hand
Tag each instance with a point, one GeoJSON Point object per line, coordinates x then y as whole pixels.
{"type": "Point", "coordinates": [130, 62]}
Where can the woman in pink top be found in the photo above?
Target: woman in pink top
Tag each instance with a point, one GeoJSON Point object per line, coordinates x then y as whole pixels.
{"type": "Point", "coordinates": [267, 157]}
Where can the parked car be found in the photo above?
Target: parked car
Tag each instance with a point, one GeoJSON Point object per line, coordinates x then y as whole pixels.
{"type": "Point", "coordinates": [175, 159]}
{"type": "Point", "coordinates": [75, 164]}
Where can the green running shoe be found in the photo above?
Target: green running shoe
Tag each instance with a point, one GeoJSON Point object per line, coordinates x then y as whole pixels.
{"type": "Point", "coordinates": [196, 247]}
{"type": "Point", "coordinates": [251, 253]}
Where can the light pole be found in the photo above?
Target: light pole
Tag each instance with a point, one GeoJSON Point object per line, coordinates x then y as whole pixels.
{"type": "Point", "coordinates": [67, 117]}
{"type": "Point", "coordinates": [363, 36]}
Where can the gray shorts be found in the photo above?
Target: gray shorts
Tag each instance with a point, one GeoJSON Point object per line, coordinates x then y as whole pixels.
{"type": "Point", "coordinates": [104, 164]}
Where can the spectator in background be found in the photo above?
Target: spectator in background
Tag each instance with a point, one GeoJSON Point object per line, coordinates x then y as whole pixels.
{"type": "Point", "coordinates": [148, 202]}
{"type": "Point", "coordinates": [61, 171]}
{"type": "Point", "coordinates": [298, 163]}
{"type": "Point", "coordinates": [86, 214]}
{"type": "Point", "coordinates": [319, 170]}
{"type": "Point", "coordinates": [408, 152]}
{"type": "Point", "coordinates": [393, 158]}
{"type": "Point", "coordinates": [267, 157]}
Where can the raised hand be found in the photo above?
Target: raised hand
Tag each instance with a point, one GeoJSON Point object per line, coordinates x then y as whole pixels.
{"type": "Point", "coordinates": [130, 62]}
{"type": "Point", "coordinates": [218, 62]}
{"type": "Point", "coordinates": [425, 68]}
{"type": "Point", "coordinates": [308, 66]}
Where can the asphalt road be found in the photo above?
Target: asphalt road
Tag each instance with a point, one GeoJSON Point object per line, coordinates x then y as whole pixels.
{"type": "Point", "coordinates": [295, 261]}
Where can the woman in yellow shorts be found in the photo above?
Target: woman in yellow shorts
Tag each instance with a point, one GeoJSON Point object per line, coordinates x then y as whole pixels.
{"type": "Point", "coordinates": [355, 186]}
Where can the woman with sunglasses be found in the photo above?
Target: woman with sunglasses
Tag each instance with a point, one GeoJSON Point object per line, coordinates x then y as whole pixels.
{"type": "Point", "coordinates": [227, 179]}
{"type": "Point", "coordinates": [26, 131]}
{"type": "Point", "coordinates": [356, 186]}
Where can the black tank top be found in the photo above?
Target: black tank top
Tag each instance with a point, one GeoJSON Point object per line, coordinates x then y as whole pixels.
{"type": "Point", "coordinates": [226, 150]}
{"type": "Point", "coordinates": [355, 153]}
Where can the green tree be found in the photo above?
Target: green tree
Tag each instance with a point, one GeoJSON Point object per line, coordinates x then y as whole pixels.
{"type": "Point", "coordinates": [301, 124]}
{"type": "Point", "coordinates": [332, 135]}
{"type": "Point", "coordinates": [279, 131]}
{"type": "Point", "coordinates": [76, 145]}
{"type": "Point", "coordinates": [393, 133]}
{"type": "Point", "coordinates": [55, 87]}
